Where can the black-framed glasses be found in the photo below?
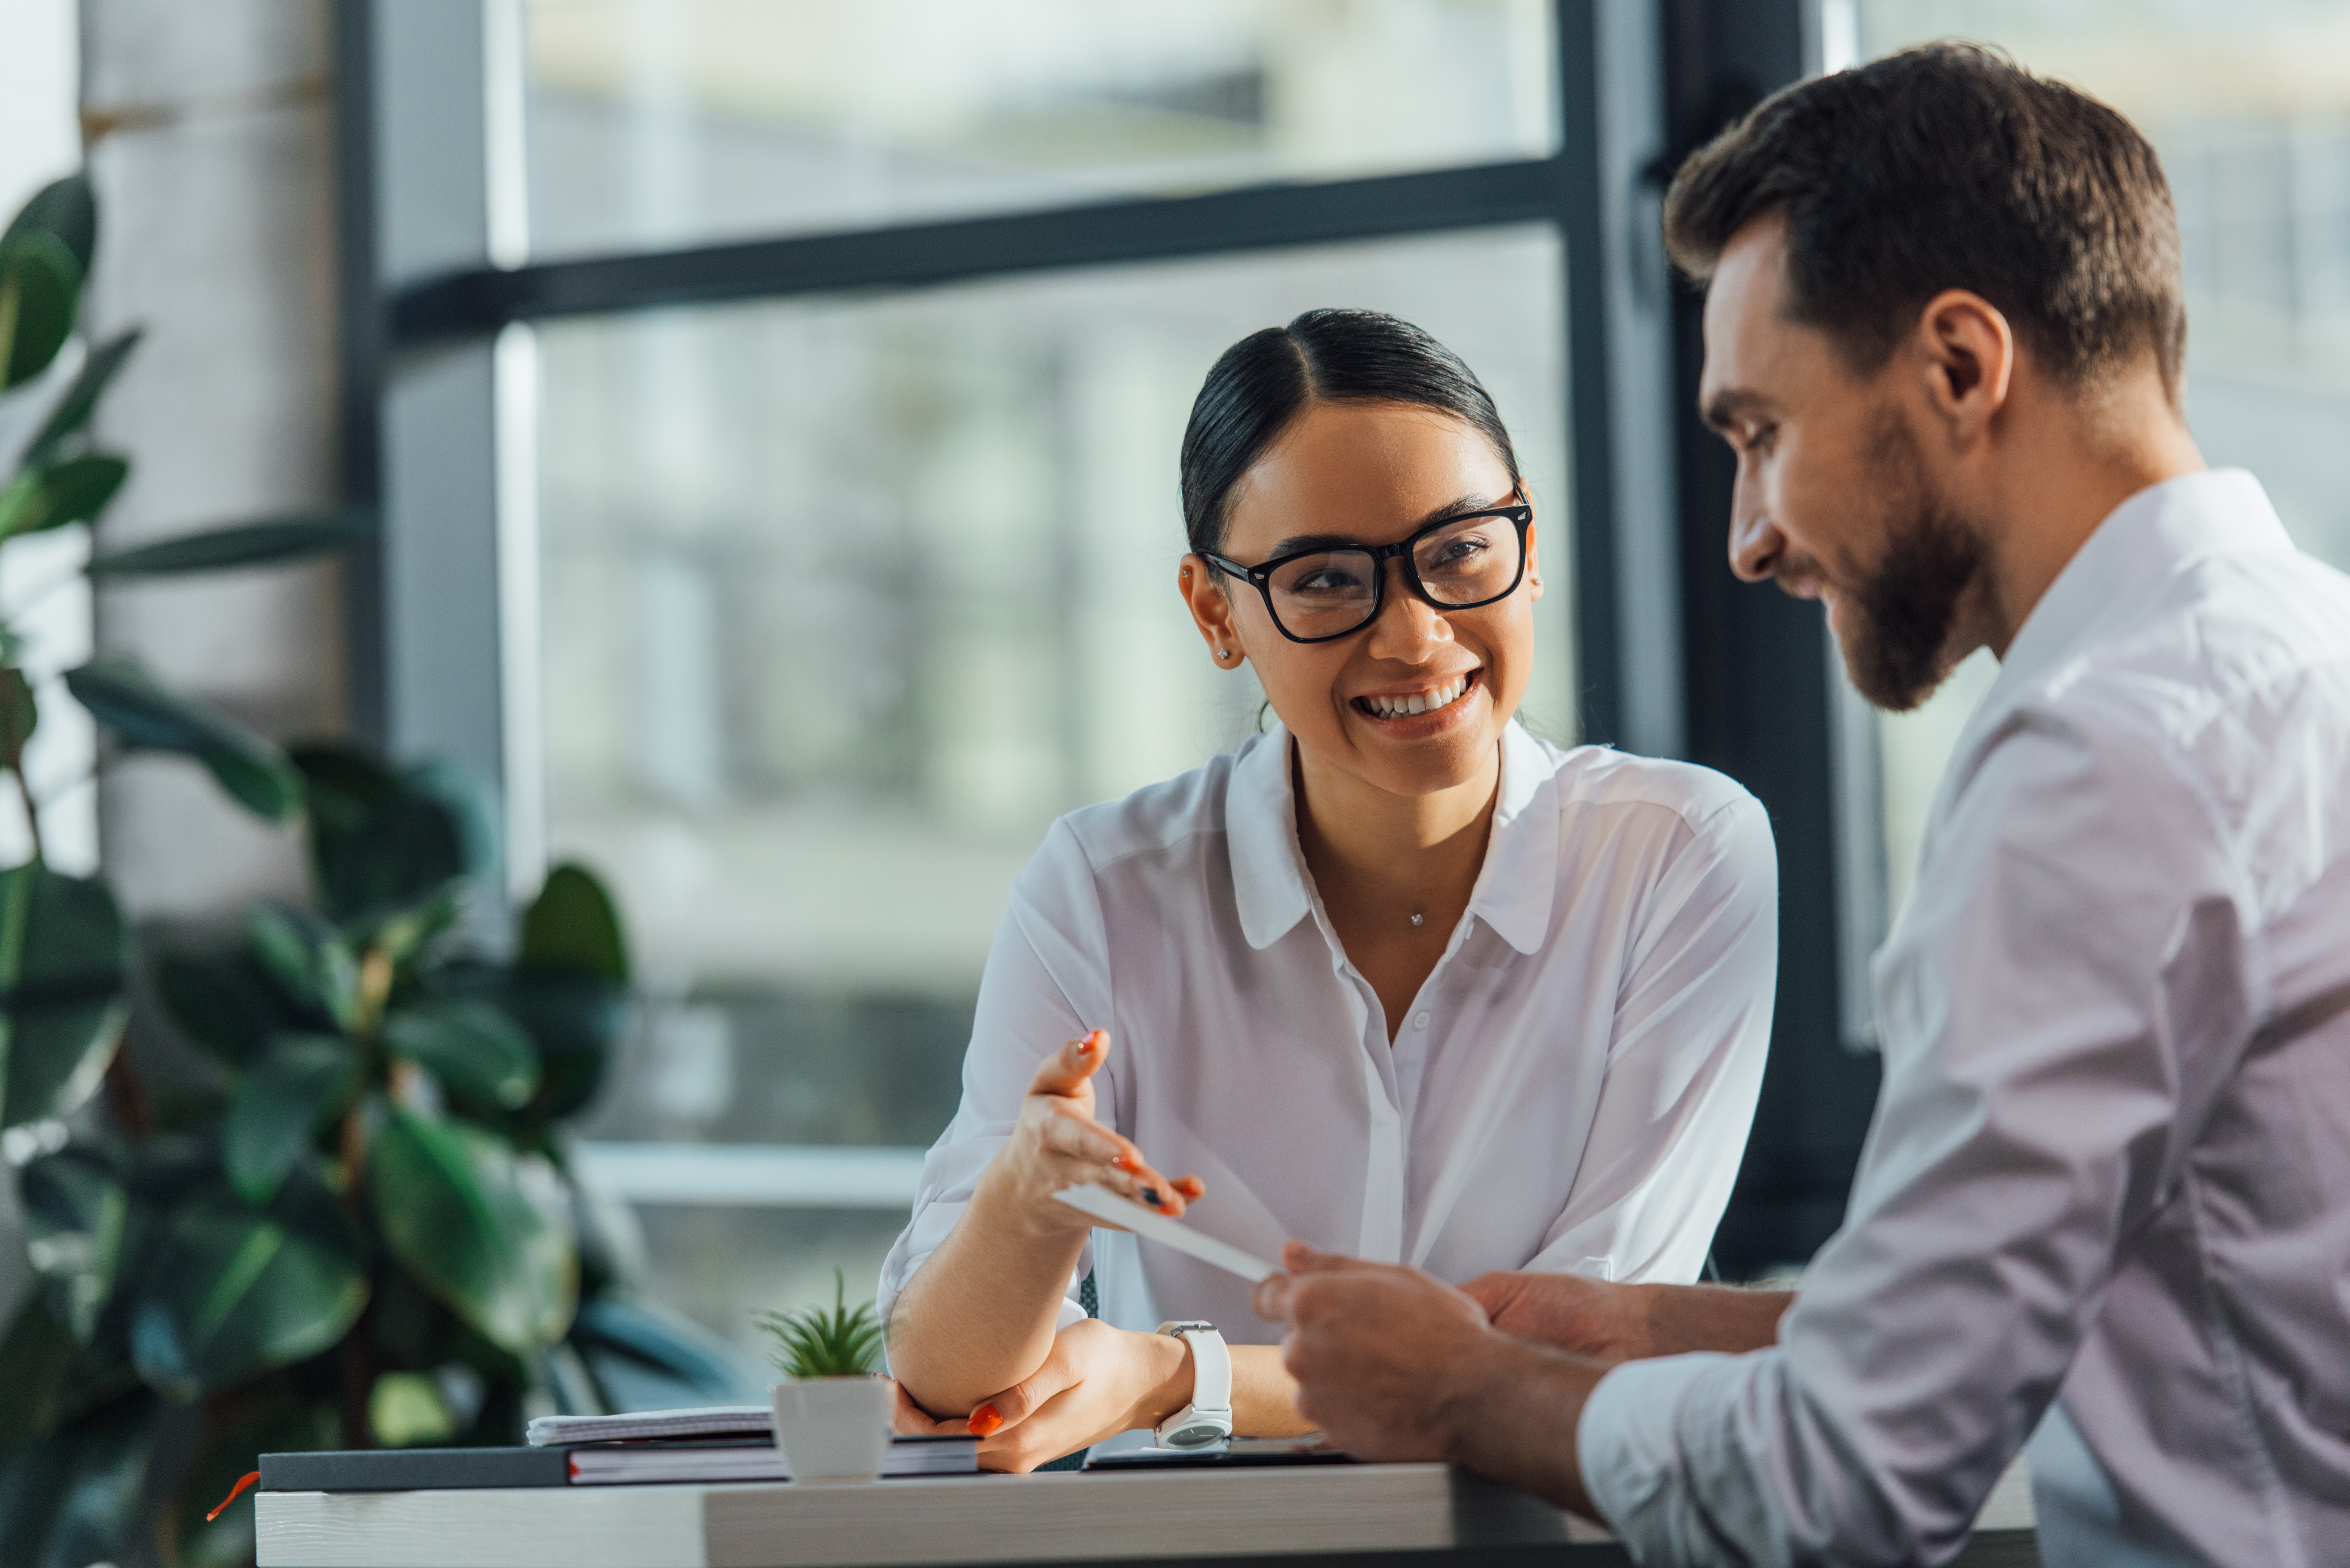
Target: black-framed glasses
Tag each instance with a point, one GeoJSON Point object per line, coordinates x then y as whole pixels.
{"type": "Point", "coordinates": [1454, 564]}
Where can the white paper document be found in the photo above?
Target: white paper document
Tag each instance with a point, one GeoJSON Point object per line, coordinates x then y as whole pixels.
{"type": "Point", "coordinates": [1103, 1204]}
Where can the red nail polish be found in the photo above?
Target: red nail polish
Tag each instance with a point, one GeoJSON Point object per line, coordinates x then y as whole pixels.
{"type": "Point", "coordinates": [986, 1421]}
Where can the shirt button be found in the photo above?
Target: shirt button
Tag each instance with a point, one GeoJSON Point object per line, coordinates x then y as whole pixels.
{"type": "Point", "coordinates": [1420, 1022]}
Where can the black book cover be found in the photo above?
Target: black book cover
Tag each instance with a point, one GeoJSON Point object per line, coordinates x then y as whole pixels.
{"type": "Point", "coordinates": [414, 1469]}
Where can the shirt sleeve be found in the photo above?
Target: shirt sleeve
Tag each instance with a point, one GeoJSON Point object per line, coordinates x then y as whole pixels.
{"type": "Point", "coordinates": [1046, 983]}
{"type": "Point", "coordinates": [1692, 1028]}
{"type": "Point", "coordinates": [2074, 907]}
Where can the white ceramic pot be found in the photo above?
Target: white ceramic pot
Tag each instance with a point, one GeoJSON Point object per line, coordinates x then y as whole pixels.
{"type": "Point", "coordinates": [833, 1428]}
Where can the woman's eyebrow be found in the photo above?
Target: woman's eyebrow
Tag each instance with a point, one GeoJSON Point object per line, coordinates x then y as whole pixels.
{"type": "Point", "coordinates": [1297, 543]}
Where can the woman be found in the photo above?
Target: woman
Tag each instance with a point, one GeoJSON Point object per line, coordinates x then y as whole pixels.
{"type": "Point", "coordinates": [1396, 978]}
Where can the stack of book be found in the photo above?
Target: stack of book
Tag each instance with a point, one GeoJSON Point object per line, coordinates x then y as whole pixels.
{"type": "Point", "coordinates": [722, 1443]}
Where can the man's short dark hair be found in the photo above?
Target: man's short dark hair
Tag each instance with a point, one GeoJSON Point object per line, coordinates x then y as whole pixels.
{"type": "Point", "coordinates": [1950, 166]}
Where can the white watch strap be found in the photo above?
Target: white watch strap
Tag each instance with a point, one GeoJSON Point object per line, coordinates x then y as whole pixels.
{"type": "Point", "coordinates": [1211, 1366]}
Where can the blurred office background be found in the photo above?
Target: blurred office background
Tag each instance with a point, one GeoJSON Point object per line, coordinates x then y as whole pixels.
{"type": "Point", "coordinates": [773, 405]}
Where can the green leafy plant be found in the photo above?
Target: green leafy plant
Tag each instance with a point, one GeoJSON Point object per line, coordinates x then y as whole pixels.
{"type": "Point", "coordinates": [813, 1342]}
{"type": "Point", "coordinates": [355, 1223]}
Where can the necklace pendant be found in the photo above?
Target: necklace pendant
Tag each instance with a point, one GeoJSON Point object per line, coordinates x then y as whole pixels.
{"type": "Point", "coordinates": [1415, 920]}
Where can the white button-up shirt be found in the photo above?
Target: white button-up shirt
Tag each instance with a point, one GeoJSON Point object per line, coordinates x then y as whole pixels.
{"type": "Point", "coordinates": [2112, 1152]}
{"type": "Point", "coordinates": [1570, 1090]}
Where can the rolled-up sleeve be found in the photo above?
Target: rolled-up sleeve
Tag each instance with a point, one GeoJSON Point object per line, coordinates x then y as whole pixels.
{"type": "Point", "coordinates": [1046, 983]}
{"type": "Point", "coordinates": [2077, 921]}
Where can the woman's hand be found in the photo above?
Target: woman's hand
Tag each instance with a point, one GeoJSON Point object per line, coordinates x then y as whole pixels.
{"type": "Point", "coordinates": [1098, 1382]}
{"type": "Point", "coordinates": [981, 1313]}
{"type": "Point", "coordinates": [1057, 1143]}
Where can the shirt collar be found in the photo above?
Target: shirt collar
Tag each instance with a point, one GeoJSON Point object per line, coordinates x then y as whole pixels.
{"type": "Point", "coordinates": [1261, 832]}
{"type": "Point", "coordinates": [1514, 890]}
{"type": "Point", "coordinates": [2140, 545]}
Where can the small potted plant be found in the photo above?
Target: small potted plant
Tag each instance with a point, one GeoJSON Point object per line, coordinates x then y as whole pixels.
{"type": "Point", "coordinates": [832, 1410]}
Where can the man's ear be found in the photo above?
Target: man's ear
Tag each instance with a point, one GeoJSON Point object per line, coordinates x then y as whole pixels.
{"type": "Point", "coordinates": [1968, 350]}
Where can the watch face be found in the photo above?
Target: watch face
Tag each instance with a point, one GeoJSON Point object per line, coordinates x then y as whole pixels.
{"type": "Point", "coordinates": [1195, 1436]}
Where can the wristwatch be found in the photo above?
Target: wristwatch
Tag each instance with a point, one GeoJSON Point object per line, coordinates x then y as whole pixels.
{"type": "Point", "coordinates": [1207, 1420]}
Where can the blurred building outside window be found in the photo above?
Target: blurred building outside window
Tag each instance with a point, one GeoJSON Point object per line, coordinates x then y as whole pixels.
{"type": "Point", "coordinates": [845, 597]}
{"type": "Point", "coordinates": [2247, 103]}
{"type": "Point", "coordinates": [657, 123]}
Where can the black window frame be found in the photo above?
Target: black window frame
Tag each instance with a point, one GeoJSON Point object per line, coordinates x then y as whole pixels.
{"type": "Point", "coordinates": [1671, 656]}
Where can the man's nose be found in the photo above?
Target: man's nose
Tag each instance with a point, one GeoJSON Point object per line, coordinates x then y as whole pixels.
{"type": "Point", "coordinates": [1755, 542]}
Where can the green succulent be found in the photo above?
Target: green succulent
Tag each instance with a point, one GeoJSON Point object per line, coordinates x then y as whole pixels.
{"type": "Point", "coordinates": [813, 1342]}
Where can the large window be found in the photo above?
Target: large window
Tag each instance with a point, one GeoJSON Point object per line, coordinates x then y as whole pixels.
{"type": "Point", "coordinates": [788, 414]}
{"type": "Point", "coordinates": [662, 123]}
{"type": "Point", "coordinates": [2249, 105]}
{"type": "Point", "coordinates": [844, 599]}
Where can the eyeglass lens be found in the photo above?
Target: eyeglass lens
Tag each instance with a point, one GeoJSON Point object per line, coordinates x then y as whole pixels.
{"type": "Point", "coordinates": [1332, 592]}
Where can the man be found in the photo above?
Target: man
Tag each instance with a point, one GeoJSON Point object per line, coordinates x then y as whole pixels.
{"type": "Point", "coordinates": [2108, 1183]}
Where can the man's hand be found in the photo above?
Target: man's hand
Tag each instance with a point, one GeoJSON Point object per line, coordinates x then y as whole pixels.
{"type": "Point", "coordinates": [1098, 1381]}
{"type": "Point", "coordinates": [1587, 1317]}
{"type": "Point", "coordinates": [1613, 1322]}
{"type": "Point", "coordinates": [1395, 1365]}
{"type": "Point", "coordinates": [1370, 1346]}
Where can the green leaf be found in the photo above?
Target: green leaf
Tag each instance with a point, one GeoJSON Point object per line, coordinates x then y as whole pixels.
{"type": "Point", "coordinates": [636, 1344]}
{"type": "Point", "coordinates": [122, 695]}
{"type": "Point", "coordinates": [472, 806]}
{"type": "Point", "coordinates": [813, 1342]}
{"type": "Point", "coordinates": [405, 1410]}
{"type": "Point", "coordinates": [73, 1499]}
{"type": "Point", "coordinates": [344, 782]}
{"type": "Point", "coordinates": [66, 210]}
{"type": "Point", "coordinates": [64, 968]}
{"type": "Point", "coordinates": [402, 933]}
{"type": "Point", "coordinates": [40, 290]}
{"type": "Point", "coordinates": [20, 715]}
{"type": "Point", "coordinates": [308, 958]}
{"type": "Point", "coordinates": [162, 1170]}
{"type": "Point", "coordinates": [274, 542]}
{"type": "Point", "coordinates": [71, 490]}
{"type": "Point", "coordinates": [299, 1084]}
{"type": "Point", "coordinates": [233, 1292]}
{"type": "Point", "coordinates": [35, 1357]}
{"type": "Point", "coordinates": [226, 1003]}
{"type": "Point", "coordinates": [75, 1209]}
{"type": "Point", "coordinates": [573, 925]}
{"type": "Point", "coordinates": [574, 1017]}
{"type": "Point", "coordinates": [460, 1210]}
{"type": "Point", "coordinates": [72, 411]}
{"type": "Point", "coordinates": [381, 847]}
{"type": "Point", "coordinates": [480, 1055]}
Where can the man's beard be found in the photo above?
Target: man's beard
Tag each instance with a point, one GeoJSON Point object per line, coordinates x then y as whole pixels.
{"type": "Point", "coordinates": [1896, 623]}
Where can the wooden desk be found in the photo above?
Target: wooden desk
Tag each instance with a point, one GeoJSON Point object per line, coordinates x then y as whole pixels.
{"type": "Point", "coordinates": [1412, 1516]}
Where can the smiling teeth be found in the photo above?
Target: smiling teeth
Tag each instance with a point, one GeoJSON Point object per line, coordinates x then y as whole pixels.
{"type": "Point", "coordinates": [1418, 703]}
